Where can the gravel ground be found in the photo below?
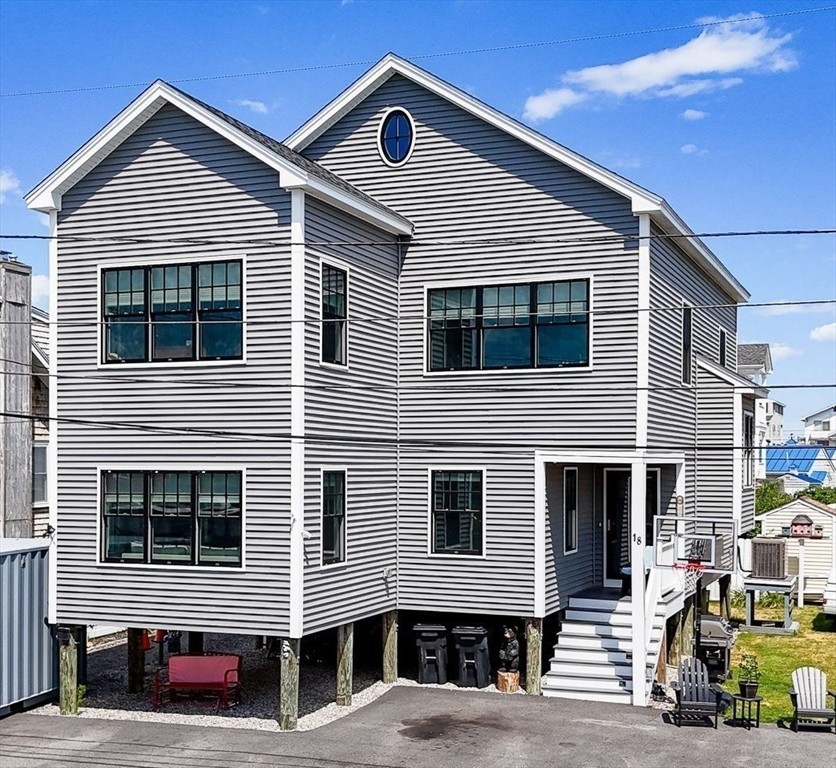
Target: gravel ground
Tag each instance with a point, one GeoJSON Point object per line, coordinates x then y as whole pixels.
{"type": "Point", "coordinates": [106, 696]}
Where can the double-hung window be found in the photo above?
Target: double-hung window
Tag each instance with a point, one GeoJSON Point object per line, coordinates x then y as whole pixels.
{"type": "Point", "coordinates": [39, 473]}
{"type": "Point", "coordinates": [457, 512]}
{"type": "Point", "coordinates": [173, 312]}
{"type": "Point", "coordinates": [570, 510]}
{"type": "Point", "coordinates": [523, 325]}
{"type": "Point", "coordinates": [172, 518]}
{"type": "Point", "coordinates": [334, 315]}
{"type": "Point", "coordinates": [333, 517]}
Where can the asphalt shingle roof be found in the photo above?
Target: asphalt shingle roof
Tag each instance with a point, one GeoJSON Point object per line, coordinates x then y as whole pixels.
{"type": "Point", "coordinates": [752, 354]}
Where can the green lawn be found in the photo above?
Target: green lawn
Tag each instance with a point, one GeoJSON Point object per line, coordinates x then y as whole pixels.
{"type": "Point", "coordinates": [778, 655]}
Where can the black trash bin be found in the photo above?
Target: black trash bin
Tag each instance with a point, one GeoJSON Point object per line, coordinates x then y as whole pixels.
{"type": "Point", "coordinates": [431, 640]}
{"type": "Point", "coordinates": [474, 662]}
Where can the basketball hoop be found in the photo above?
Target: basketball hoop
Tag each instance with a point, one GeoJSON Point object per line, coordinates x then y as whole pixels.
{"type": "Point", "coordinates": [688, 573]}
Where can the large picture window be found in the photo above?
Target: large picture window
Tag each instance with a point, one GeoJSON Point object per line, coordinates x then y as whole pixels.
{"type": "Point", "coordinates": [525, 325]}
{"type": "Point", "coordinates": [457, 513]}
{"type": "Point", "coordinates": [333, 517]}
{"type": "Point", "coordinates": [172, 518]}
{"type": "Point", "coordinates": [173, 312]}
{"type": "Point", "coordinates": [334, 314]}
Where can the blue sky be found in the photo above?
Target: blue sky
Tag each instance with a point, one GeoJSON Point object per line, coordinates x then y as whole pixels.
{"type": "Point", "coordinates": [733, 123]}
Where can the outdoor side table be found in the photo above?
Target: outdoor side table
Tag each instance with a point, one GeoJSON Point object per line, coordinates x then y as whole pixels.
{"type": "Point", "coordinates": [746, 704]}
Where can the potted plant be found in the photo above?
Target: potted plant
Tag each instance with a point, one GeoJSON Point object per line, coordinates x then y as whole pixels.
{"type": "Point", "coordinates": [749, 673]}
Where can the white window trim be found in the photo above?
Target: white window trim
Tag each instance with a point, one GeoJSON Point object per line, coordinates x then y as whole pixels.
{"type": "Point", "coordinates": [41, 443]}
{"type": "Point", "coordinates": [525, 277]}
{"type": "Point", "coordinates": [342, 265]}
{"type": "Point", "coordinates": [692, 362]}
{"type": "Point", "coordinates": [463, 557]}
{"type": "Point", "coordinates": [380, 125]}
{"type": "Point", "coordinates": [577, 496]}
{"type": "Point", "coordinates": [171, 467]}
{"type": "Point", "coordinates": [157, 261]}
{"type": "Point", "coordinates": [345, 561]}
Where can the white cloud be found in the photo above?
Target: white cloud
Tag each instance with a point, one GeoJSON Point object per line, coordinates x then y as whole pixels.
{"type": "Point", "coordinates": [551, 102]}
{"type": "Point", "coordinates": [692, 149]}
{"type": "Point", "coordinates": [40, 290]}
{"type": "Point", "coordinates": [9, 184]}
{"type": "Point", "coordinates": [780, 351]}
{"type": "Point", "coordinates": [778, 308]}
{"type": "Point", "coordinates": [825, 332]}
{"type": "Point", "coordinates": [693, 114]}
{"type": "Point", "coordinates": [259, 107]}
{"type": "Point", "coordinates": [704, 64]}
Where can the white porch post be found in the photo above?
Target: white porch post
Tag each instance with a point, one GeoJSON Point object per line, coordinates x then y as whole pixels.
{"type": "Point", "coordinates": [638, 514]}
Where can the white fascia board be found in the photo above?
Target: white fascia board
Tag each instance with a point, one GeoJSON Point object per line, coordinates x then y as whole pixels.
{"type": "Point", "coordinates": [47, 195]}
{"type": "Point", "coordinates": [820, 412]}
{"type": "Point", "coordinates": [328, 193]}
{"type": "Point", "coordinates": [642, 200]}
{"type": "Point", "coordinates": [741, 383]}
{"type": "Point", "coordinates": [671, 223]}
{"type": "Point", "coordinates": [393, 65]}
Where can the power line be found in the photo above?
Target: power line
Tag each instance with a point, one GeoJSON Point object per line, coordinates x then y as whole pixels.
{"type": "Point", "coordinates": [347, 439]}
{"type": "Point", "coordinates": [411, 243]}
{"type": "Point", "coordinates": [443, 54]}
{"type": "Point", "coordinates": [437, 388]}
{"type": "Point", "coordinates": [278, 320]}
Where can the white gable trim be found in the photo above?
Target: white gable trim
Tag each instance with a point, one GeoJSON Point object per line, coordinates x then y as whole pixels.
{"type": "Point", "coordinates": [47, 195]}
{"type": "Point", "coordinates": [742, 384]}
{"type": "Point", "coordinates": [642, 200]}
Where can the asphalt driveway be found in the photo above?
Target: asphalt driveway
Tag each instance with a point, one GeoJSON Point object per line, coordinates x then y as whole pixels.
{"type": "Point", "coordinates": [419, 728]}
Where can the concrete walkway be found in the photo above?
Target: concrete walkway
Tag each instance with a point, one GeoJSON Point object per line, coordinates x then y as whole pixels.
{"type": "Point", "coordinates": [420, 728]}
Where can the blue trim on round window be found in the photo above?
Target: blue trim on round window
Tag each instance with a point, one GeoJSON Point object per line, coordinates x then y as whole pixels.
{"type": "Point", "coordinates": [396, 137]}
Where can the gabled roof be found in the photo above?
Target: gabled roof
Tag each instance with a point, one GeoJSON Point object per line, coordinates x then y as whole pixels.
{"type": "Point", "coordinates": [798, 459]}
{"type": "Point", "coordinates": [642, 200]}
{"type": "Point", "coordinates": [828, 410]}
{"type": "Point", "coordinates": [756, 355]}
{"type": "Point", "coordinates": [803, 501]}
{"type": "Point", "coordinates": [295, 170]}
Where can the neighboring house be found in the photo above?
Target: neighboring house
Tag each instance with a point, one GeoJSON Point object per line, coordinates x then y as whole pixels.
{"type": "Point", "coordinates": [24, 390]}
{"type": "Point", "coordinates": [809, 524]}
{"type": "Point", "coordinates": [419, 357]}
{"type": "Point", "coordinates": [796, 466]}
{"type": "Point", "coordinates": [754, 361]}
{"type": "Point", "coordinates": [820, 427]}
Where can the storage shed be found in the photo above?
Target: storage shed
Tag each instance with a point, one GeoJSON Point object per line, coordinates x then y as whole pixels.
{"type": "Point", "coordinates": [809, 524]}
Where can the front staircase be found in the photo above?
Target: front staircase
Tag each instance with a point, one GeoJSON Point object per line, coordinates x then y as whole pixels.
{"type": "Point", "coordinates": [593, 655]}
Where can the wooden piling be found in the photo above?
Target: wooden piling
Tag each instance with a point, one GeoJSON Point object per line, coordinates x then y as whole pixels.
{"type": "Point", "coordinates": [390, 647]}
{"type": "Point", "coordinates": [195, 642]}
{"type": "Point", "coordinates": [289, 685]}
{"type": "Point", "coordinates": [68, 675]}
{"type": "Point", "coordinates": [687, 632]}
{"type": "Point", "coordinates": [136, 661]}
{"type": "Point", "coordinates": [725, 596]}
{"type": "Point", "coordinates": [345, 664]}
{"type": "Point", "coordinates": [675, 637]}
{"type": "Point", "coordinates": [533, 655]}
{"type": "Point", "coordinates": [259, 642]}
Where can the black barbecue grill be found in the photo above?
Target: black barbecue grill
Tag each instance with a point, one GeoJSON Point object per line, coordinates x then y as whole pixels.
{"type": "Point", "coordinates": [716, 640]}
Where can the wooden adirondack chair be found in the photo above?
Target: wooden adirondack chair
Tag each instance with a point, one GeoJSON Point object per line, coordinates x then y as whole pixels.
{"type": "Point", "coordinates": [697, 697]}
{"type": "Point", "coordinates": [809, 699]}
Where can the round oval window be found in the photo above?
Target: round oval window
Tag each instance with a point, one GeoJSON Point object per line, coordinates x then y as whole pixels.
{"type": "Point", "coordinates": [396, 136]}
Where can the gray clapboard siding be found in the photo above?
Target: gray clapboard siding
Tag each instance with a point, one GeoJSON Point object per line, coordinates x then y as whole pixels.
{"type": "Point", "coordinates": [346, 406]}
{"type": "Point", "coordinates": [469, 181]}
{"type": "Point", "coordinates": [715, 439]}
{"type": "Point", "coordinates": [174, 178]}
{"type": "Point", "coordinates": [568, 574]}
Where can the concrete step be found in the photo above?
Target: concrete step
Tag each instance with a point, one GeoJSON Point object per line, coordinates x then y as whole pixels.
{"type": "Point", "coordinates": [574, 683]}
{"type": "Point", "coordinates": [622, 697]}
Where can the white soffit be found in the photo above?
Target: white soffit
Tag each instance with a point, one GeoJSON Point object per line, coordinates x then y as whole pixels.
{"type": "Point", "coordinates": [642, 200]}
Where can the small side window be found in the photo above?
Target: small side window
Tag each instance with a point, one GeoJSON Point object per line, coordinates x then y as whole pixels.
{"type": "Point", "coordinates": [721, 352]}
{"type": "Point", "coordinates": [334, 315]}
{"type": "Point", "coordinates": [333, 517]}
{"type": "Point", "coordinates": [39, 474]}
{"type": "Point", "coordinates": [570, 510]}
{"type": "Point", "coordinates": [687, 351]}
